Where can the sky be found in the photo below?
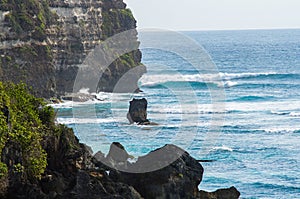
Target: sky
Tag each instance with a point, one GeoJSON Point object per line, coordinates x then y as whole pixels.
{"type": "Point", "coordinates": [216, 14]}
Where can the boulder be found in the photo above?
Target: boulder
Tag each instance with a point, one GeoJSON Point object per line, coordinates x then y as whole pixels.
{"type": "Point", "coordinates": [167, 172]}
{"type": "Point", "coordinates": [173, 174]}
{"type": "Point", "coordinates": [117, 156]}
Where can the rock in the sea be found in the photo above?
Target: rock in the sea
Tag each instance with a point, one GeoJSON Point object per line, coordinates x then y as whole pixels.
{"type": "Point", "coordinates": [138, 111]}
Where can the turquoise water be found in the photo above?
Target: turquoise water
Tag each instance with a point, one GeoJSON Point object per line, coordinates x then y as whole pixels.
{"type": "Point", "coordinates": [257, 148]}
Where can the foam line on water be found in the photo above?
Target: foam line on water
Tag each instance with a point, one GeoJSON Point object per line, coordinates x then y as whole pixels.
{"type": "Point", "coordinates": [156, 79]}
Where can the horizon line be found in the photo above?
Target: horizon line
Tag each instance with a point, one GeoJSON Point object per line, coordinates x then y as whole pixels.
{"type": "Point", "coordinates": [229, 29]}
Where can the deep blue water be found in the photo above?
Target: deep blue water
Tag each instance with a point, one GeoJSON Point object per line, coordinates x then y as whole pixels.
{"type": "Point", "coordinates": [256, 148]}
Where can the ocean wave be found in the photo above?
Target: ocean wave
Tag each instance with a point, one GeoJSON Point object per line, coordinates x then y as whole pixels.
{"type": "Point", "coordinates": [251, 98]}
{"type": "Point", "coordinates": [289, 113]}
{"type": "Point", "coordinates": [229, 84]}
{"type": "Point", "coordinates": [160, 79]}
{"type": "Point", "coordinates": [280, 112]}
{"type": "Point", "coordinates": [281, 130]}
{"type": "Point", "coordinates": [294, 114]}
{"type": "Point", "coordinates": [269, 186]}
{"type": "Point", "coordinates": [217, 78]}
{"type": "Point", "coordinates": [233, 76]}
{"type": "Point", "coordinates": [222, 148]}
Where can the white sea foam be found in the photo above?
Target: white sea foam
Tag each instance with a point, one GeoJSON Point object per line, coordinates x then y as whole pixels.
{"type": "Point", "coordinates": [222, 148]}
{"type": "Point", "coordinates": [230, 76]}
{"type": "Point", "coordinates": [295, 114]}
{"type": "Point", "coordinates": [71, 104]}
{"type": "Point", "coordinates": [84, 91]}
{"type": "Point", "coordinates": [64, 105]}
{"type": "Point", "coordinates": [280, 112]}
{"type": "Point", "coordinates": [85, 120]}
{"type": "Point", "coordinates": [282, 130]}
{"type": "Point", "coordinates": [186, 109]}
{"type": "Point", "coordinates": [156, 79]}
{"type": "Point", "coordinates": [229, 84]}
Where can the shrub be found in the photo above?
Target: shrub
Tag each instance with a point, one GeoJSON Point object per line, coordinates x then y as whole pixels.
{"type": "Point", "coordinates": [24, 120]}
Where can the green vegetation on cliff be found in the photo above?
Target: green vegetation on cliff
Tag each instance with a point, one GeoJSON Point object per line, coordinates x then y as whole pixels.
{"type": "Point", "coordinates": [24, 120]}
{"type": "Point", "coordinates": [28, 16]}
{"type": "Point", "coordinates": [116, 20]}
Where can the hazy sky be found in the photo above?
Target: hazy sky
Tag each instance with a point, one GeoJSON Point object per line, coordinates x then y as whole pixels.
{"type": "Point", "coordinates": [216, 14]}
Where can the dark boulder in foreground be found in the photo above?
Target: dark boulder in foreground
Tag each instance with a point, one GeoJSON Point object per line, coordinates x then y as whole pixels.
{"type": "Point", "coordinates": [173, 174]}
{"type": "Point", "coordinates": [138, 111]}
{"type": "Point", "coordinates": [167, 172]}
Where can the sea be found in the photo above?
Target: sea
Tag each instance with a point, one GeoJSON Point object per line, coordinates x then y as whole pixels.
{"type": "Point", "coordinates": [231, 97]}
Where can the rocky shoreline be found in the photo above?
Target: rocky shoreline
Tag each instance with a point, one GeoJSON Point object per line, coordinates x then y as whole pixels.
{"type": "Point", "coordinates": [44, 160]}
{"type": "Point", "coordinates": [73, 172]}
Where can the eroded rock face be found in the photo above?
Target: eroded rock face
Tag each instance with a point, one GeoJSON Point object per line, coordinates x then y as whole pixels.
{"type": "Point", "coordinates": [46, 47]}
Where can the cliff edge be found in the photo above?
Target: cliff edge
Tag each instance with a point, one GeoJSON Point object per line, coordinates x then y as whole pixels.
{"type": "Point", "coordinates": [43, 43]}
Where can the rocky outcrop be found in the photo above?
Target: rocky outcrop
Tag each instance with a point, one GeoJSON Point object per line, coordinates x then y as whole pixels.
{"type": "Point", "coordinates": [44, 43]}
{"type": "Point", "coordinates": [72, 172]}
{"type": "Point", "coordinates": [167, 172]}
{"type": "Point", "coordinates": [173, 174]}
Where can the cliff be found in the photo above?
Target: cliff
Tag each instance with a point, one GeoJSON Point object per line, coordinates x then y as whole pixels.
{"type": "Point", "coordinates": [44, 43]}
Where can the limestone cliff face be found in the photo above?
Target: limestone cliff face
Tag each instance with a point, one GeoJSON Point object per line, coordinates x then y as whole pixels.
{"type": "Point", "coordinates": [43, 43]}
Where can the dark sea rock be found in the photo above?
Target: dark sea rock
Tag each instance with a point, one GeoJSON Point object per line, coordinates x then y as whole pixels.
{"type": "Point", "coordinates": [167, 172]}
{"type": "Point", "coordinates": [173, 174]}
{"type": "Point", "coordinates": [138, 111]}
